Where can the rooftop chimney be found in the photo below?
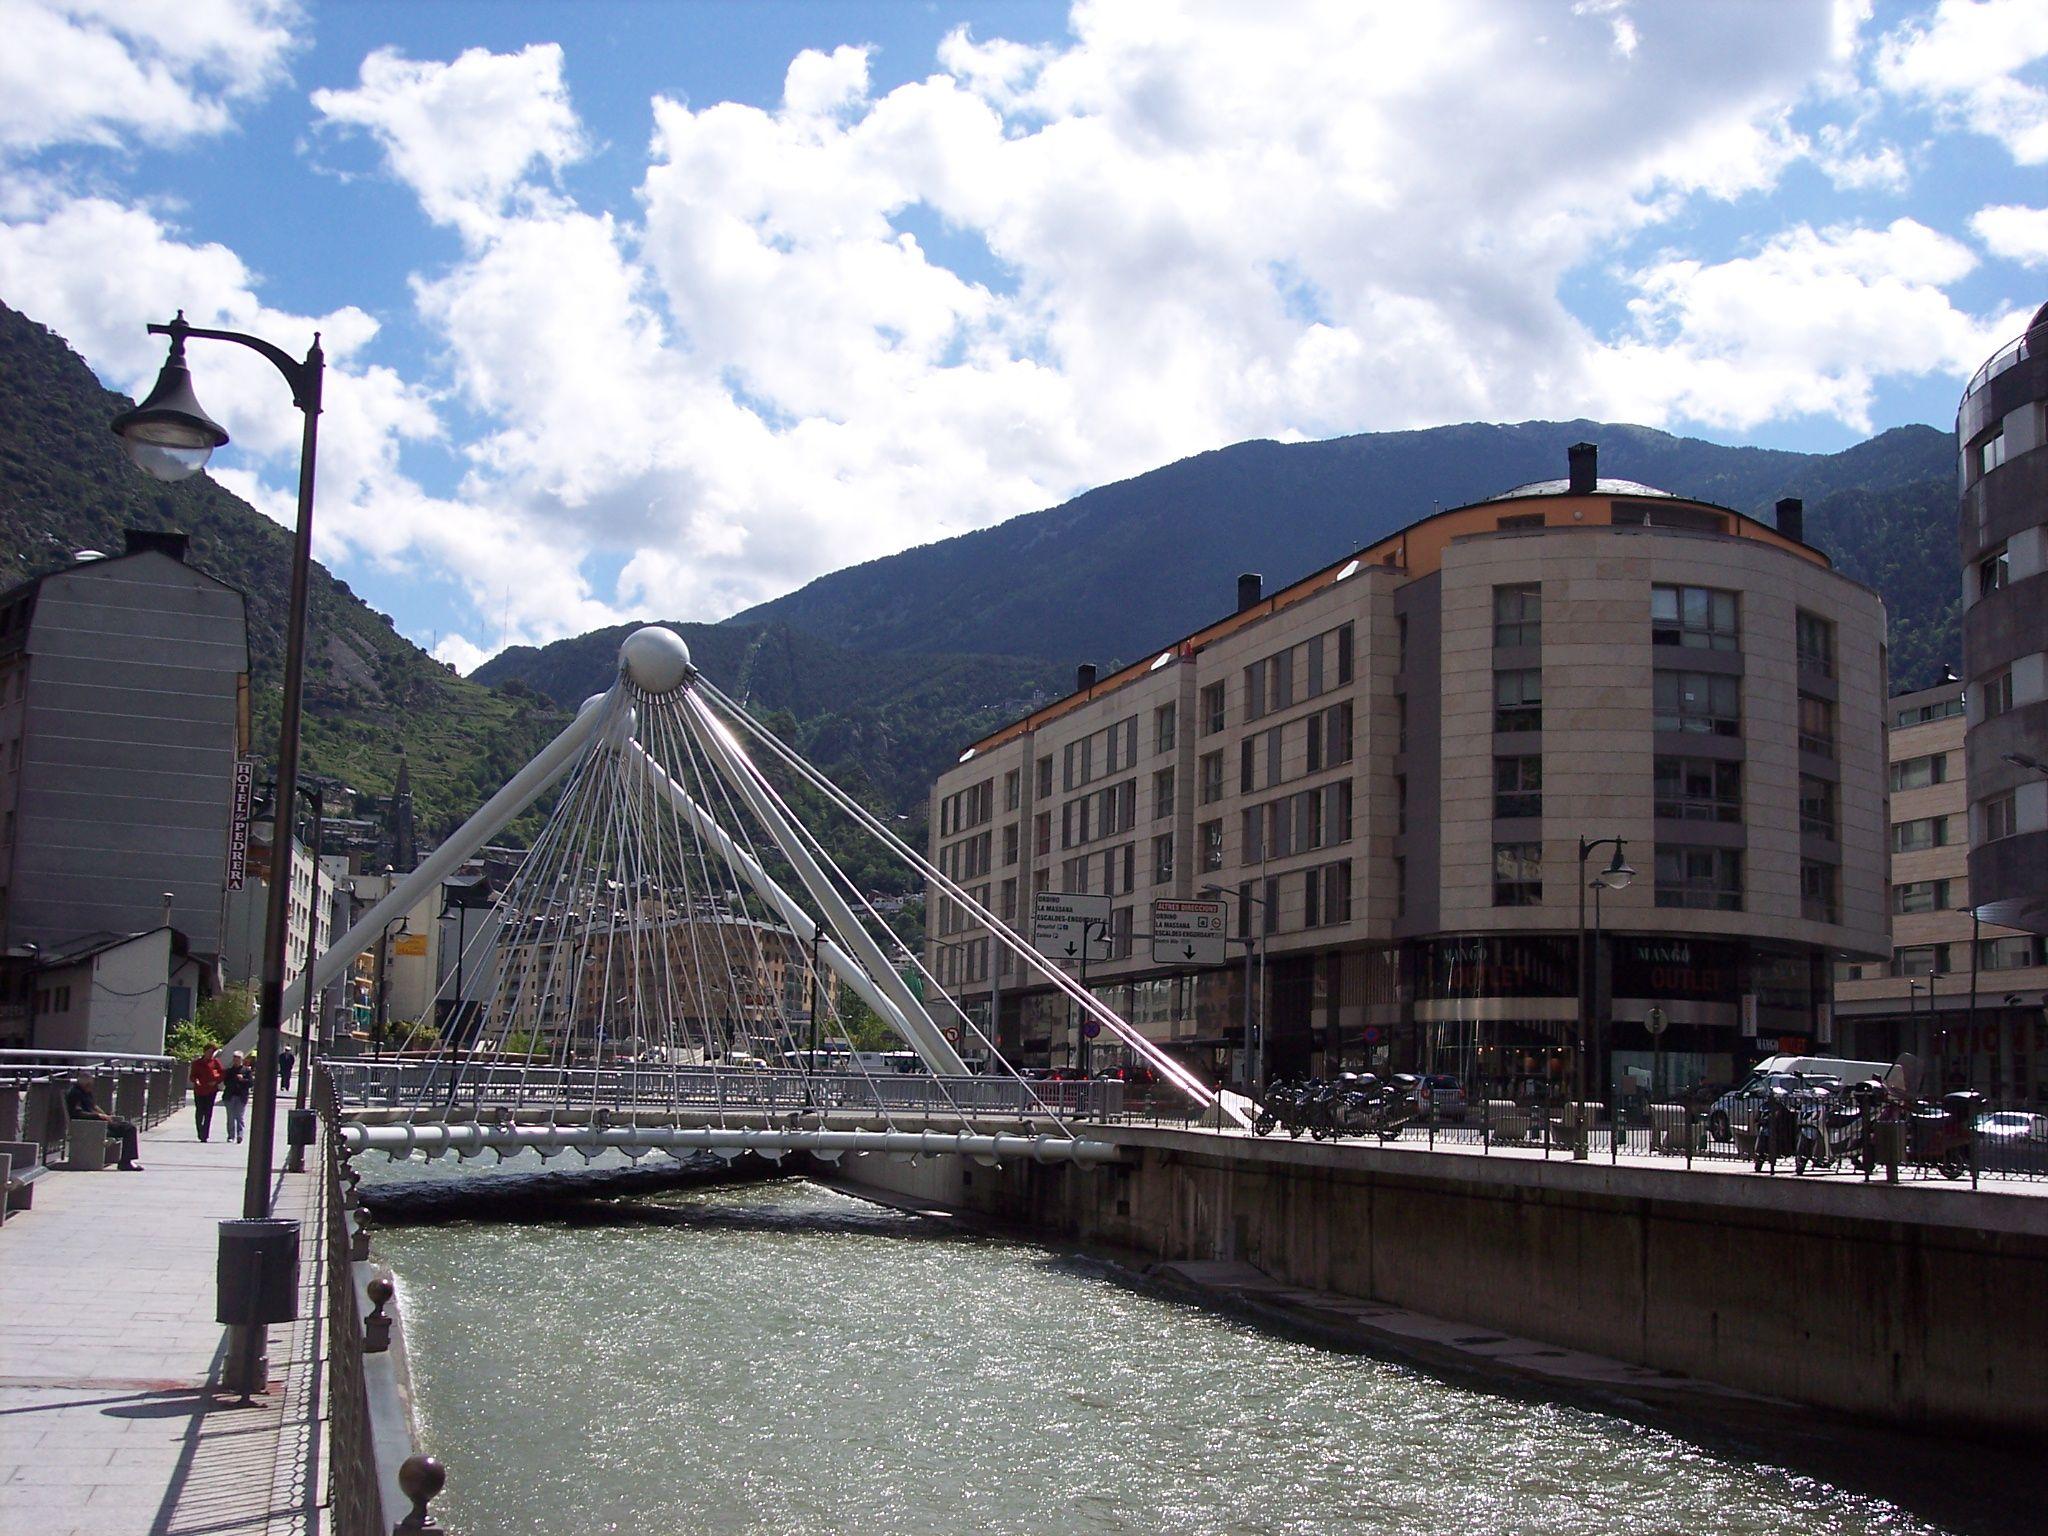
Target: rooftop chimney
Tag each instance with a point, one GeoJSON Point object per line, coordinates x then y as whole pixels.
{"type": "Point", "coordinates": [1792, 518]}
{"type": "Point", "coordinates": [163, 542]}
{"type": "Point", "coordinates": [1084, 677]}
{"type": "Point", "coordinates": [1248, 588]}
{"type": "Point", "coordinates": [1585, 468]}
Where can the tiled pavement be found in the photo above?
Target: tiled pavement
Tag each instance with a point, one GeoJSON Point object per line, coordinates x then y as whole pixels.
{"type": "Point", "coordinates": [110, 1421]}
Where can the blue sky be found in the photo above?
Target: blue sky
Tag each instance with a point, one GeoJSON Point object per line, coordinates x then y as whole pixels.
{"type": "Point", "coordinates": [658, 310]}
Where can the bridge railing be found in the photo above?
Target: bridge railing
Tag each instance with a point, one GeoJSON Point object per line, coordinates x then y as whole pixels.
{"type": "Point", "coordinates": [439, 1087]}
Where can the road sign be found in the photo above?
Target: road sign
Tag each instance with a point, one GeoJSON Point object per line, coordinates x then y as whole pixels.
{"type": "Point", "coordinates": [1187, 933]}
{"type": "Point", "coordinates": [1062, 925]}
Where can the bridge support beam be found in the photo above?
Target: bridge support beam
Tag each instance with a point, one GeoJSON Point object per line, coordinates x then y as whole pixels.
{"type": "Point", "coordinates": [434, 1139]}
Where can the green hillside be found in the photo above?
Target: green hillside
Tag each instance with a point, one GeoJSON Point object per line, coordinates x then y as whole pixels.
{"type": "Point", "coordinates": [65, 485]}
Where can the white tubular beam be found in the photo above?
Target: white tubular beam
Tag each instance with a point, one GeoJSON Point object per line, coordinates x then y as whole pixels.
{"type": "Point", "coordinates": [750, 870]}
{"type": "Point", "coordinates": [924, 1036]}
{"type": "Point", "coordinates": [526, 786]}
{"type": "Point", "coordinates": [435, 1139]}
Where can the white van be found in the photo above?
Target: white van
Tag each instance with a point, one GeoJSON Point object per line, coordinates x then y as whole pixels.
{"type": "Point", "coordinates": [1822, 1066]}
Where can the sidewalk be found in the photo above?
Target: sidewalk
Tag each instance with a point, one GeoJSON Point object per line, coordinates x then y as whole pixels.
{"type": "Point", "coordinates": [110, 1423]}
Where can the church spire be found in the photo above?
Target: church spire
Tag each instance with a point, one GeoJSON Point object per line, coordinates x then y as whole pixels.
{"type": "Point", "coordinates": [399, 828]}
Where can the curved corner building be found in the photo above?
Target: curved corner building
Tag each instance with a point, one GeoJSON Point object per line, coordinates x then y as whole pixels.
{"type": "Point", "coordinates": [1386, 768]}
{"type": "Point", "coordinates": [2002, 436]}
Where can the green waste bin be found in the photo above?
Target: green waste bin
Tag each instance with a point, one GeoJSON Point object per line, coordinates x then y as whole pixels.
{"type": "Point", "coordinates": [258, 1274]}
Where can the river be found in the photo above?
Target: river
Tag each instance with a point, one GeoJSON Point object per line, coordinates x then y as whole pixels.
{"type": "Point", "coordinates": [782, 1358]}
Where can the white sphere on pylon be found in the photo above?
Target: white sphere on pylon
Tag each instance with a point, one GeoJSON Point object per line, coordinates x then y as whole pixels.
{"type": "Point", "coordinates": [655, 660]}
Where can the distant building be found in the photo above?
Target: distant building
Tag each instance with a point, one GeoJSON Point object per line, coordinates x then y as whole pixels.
{"type": "Point", "coordinates": [112, 992]}
{"type": "Point", "coordinates": [405, 852]}
{"type": "Point", "coordinates": [1979, 1027]}
{"type": "Point", "coordinates": [309, 906]}
{"type": "Point", "coordinates": [1387, 767]}
{"type": "Point", "coordinates": [2002, 438]}
{"type": "Point", "coordinates": [124, 704]}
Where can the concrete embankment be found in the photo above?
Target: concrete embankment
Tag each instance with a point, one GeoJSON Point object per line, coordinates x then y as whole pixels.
{"type": "Point", "coordinates": [1911, 1305]}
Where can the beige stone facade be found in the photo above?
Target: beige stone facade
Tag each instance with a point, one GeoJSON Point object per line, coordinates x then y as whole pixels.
{"type": "Point", "coordinates": [1349, 752]}
{"type": "Point", "coordinates": [1983, 1030]}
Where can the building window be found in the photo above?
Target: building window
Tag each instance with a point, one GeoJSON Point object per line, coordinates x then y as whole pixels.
{"type": "Point", "coordinates": [1705, 703]}
{"type": "Point", "coordinates": [1211, 834]}
{"type": "Point", "coordinates": [1400, 802]}
{"type": "Point", "coordinates": [1162, 793]}
{"type": "Point", "coordinates": [1041, 834]}
{"type": "Point", "coordinates": [1517, 786]}
{"type": "Point", "coordinates": [1162, 859]}
{"type": "Point", "coordinates": [1212, 777]}
{"type": "Point", "coordinates": [1251, 832]}
{"type": "Point", "coordinates": [1705, 618]}
{"type": "Point", "coordinates": [1045, 778]}
{"type": "Point", "coordinates": [1326, 895]}
{"type": "Point", "coordinates": [1816, 638]}
{"type": "Point", "coordinates": [1518, 614]}
{"type": "Point", "coordinates": [1921, 714]}
{"type": "Point", "coordinates": [1400, 887]}
{"type": "Point", "coordinates": [1920, 896]}
{"type": "Point", "coordinates": [1517, 874]}
{"type": "Point", "coordinates": [1993, 571]}
{"type": "Point", "coordinates": [1998, 816]}
{"type": "Point", "coordinates": [2014, 952]}
{"type": "Point", "coordinates": [1212, 709]}
{"type": "Point", "coordinates": [1163, 728]}
{"type": "Point", "coordinates": [1816, 726]}
{"type": "Point", "coordinates": [1697, 789]}
{"type": "Point", "coordinates": [1919, 772]}
{"type": "Point", "coordinates": [1706, 878]}
{"type": "Point", "coordinates": [1991, 455]}
{"type": "Point", "coordinates": [1998, 694]}
{"type": "Point", "coordinates": [1517, 701]}
{"type": "Point", "coordinates": [1819, 885]}
{"type": "Point", "coordinates": [1816, 806]}
{"type": "Point", "coordinates": [1401, 642]}
{"type": "Point", "coordinates": [1920, 960]}
{"type": "Point", "coordinates": [1923, 832]}
{"type": "Point", "coordinates": [1008, 910]}
{"type": "Point", "coordinates": [1013, 786]}
{"type": "Point", "coordinates": [1010, 839]}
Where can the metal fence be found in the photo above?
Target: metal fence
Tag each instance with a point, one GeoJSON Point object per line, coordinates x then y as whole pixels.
{"type": "Point", "coordinates": [1992, 1142]}
{"type": "Point", "coordinates": [440, 1086]}
{"type": "Point", "coordinates": [356, 1506]}
{"type": "Point", "coordinates": [144, 1089]}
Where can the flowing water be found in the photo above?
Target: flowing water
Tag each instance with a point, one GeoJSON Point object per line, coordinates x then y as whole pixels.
{"type": "Point", "coordinates": [781, 1358]}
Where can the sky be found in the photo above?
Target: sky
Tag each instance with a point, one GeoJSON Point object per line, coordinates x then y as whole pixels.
{"type": "Point", "coordinates": [657, 310]}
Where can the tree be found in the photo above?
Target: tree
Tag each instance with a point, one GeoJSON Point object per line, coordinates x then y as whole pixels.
{"type": "Point", "coordinates": [217, 1021]}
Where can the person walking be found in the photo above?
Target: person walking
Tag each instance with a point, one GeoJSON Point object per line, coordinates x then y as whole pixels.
{"type": "Point", "coordinates": [285, 1058]}
{"type": "Point", "coordinates": [80, 1104]}
{"type": "Point", "coordinates": [205, 1075]}
{"type": "Point", "coordinates": [236, 1083]}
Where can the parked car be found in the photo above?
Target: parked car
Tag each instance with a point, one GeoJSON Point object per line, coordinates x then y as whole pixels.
{"type": "Point", "coordinates": [1446, 1096]}
{"type": "Point", "coordinates": [2012, 1141]}
{"type": "Point", "coordinates": [1737, 1109]}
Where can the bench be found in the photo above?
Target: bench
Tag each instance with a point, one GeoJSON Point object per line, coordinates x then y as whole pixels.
{"type": "Point", "coordinates": [86, 1144]}
{"type": "Point", "coordinates": [20, 1167]}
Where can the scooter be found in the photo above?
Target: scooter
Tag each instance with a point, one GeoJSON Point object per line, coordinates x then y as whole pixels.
{"type": "Point", "coordinates": [1942, 1137]}
{"type": "Point", "coordinates": [1777, 1129]}
{"type": "Point", "coordinates": [1831, 1130]}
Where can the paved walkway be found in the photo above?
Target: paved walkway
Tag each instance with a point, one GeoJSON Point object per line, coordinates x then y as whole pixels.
{"type": "Point", "coordinates": [110, 1418]}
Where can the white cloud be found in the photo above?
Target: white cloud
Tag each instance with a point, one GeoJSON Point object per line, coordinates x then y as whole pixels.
{"type": "Point", "coordinates": [463, 135]}
{"type": "Point", "coordinates": [1967, 61]}
{"type": "Point", "coordinates": [103, 71]}
{"type": "Point", "coordinates": [2016, 233]}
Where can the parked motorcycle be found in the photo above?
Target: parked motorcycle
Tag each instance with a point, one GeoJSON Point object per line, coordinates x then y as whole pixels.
{"type": "Point", "coordinates": [1777, 1128]}
{"type": "Point", "coordinates": [1832, 1128]}
{"type": "Point", "coordinates": [1942, 1137]}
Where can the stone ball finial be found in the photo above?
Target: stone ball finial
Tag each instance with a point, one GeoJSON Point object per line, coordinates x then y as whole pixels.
{"type": "Point", "coordinates": [420, 1478]}
{"type": "Point", "coordinates": [655, 660]}
{"type": "Point", "coordinates": [379, 1290]}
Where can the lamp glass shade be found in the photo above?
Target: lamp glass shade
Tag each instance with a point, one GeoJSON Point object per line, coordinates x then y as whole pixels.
{"type": "Point", "coordinates": [169, 434]}
{"type": "Point", "coordinates": [1617, 874]}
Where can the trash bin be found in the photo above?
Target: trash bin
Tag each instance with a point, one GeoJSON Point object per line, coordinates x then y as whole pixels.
{"type": "Point", "coordinates": [258, 1274]}
{"type": "Point", "coordinates": [300, 1126]}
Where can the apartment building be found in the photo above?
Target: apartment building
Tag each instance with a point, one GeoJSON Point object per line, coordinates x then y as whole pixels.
{"type": "Point", "coordinates": [1974, 1015]}
{"type": "Point", "coordinates": [1386, 768]}
{"type": "Point", "coordinates": [2002, 442]}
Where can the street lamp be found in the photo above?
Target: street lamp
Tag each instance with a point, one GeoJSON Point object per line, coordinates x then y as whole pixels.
{"type": "Point", "coordinates": [2021, 760]}
{"type": "Point", "coordinates": [301, 1127]}
{"type": "Point", "coordinates": [1253, 1052]}
{"type": "Point", "coordinates": [1614, 877]}
{"type": "Point", "coordinates": [169, 436]}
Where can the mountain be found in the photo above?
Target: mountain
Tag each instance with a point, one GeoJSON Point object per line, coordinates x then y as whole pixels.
{"type": "Point", "coordinates": [1126, 567]}
{"type": "Point", "coordinates": [65, 485]}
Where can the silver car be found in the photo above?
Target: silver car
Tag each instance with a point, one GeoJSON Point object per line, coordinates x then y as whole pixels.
{"type": "Point", "coordinates": [1736, 1110]}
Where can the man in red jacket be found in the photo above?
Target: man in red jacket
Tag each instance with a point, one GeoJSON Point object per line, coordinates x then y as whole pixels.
{"type": "Point", "coordinates": [206, 1075]}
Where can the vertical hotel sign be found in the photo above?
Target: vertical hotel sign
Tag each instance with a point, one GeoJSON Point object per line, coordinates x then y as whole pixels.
{"type": "Point", "coordinates": [238, 827]}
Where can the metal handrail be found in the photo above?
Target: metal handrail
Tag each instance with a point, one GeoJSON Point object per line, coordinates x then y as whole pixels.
{"type": "Point", "coordinates": [2017, 350]}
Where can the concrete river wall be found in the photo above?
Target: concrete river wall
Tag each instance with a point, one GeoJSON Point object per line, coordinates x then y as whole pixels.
{"type": "Point", "coordinates": [1913, 1304]}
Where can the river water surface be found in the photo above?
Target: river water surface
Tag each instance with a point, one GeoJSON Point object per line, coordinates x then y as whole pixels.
{"type": "Point", "coordinates": [781, 1358]}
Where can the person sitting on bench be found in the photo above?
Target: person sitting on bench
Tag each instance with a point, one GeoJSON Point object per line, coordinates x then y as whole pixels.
{"type": "Point", "coordinates": [79, 1104]}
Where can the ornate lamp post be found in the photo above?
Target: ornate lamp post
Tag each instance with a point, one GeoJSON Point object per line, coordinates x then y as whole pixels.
{"type": "Point", "coordinates": [171, 437]}
{"type": "Point", "coordinates": [1614, 877]}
